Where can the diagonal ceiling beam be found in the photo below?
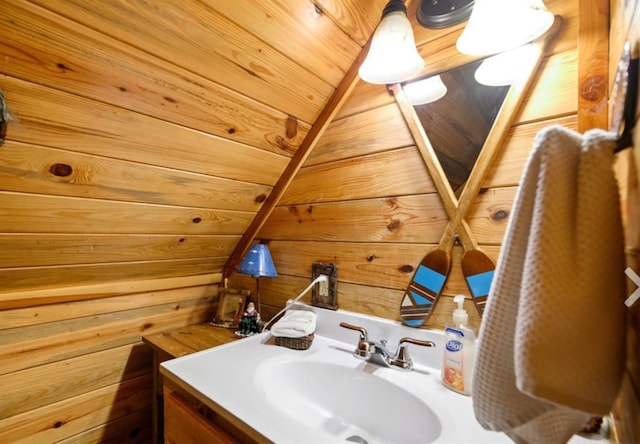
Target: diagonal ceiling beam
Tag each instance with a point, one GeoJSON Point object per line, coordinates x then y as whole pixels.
{"type": "Point", "coordinates": [333, 106]}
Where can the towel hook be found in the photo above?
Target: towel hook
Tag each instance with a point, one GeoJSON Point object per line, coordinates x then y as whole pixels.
{"type": "Point", "coordinates": [625, 107]}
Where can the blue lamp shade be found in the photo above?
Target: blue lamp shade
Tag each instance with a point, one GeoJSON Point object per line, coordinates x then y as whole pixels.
{"type": "Point", "coordinates": [258, 262]}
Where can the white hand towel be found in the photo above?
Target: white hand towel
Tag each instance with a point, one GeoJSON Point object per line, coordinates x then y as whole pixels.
{"type": "Point", "coordinates": [295, 324]}
{"type": "Point", "coordinates": [551, 349]}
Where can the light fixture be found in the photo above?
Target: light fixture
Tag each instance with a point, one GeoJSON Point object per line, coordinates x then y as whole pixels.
{"type": "Point", "coordinates": [426, 90]}
{"type": "Point", "coordinates": [500, 25]}
{"type": "Point", "coordinates": [258, 263]}
{"type": "Point", "coordinates": [436, 14]}
{"type": "Point", "coordinates": [504, 68]}
{"type": "Point", "coordinates": [393, 56]}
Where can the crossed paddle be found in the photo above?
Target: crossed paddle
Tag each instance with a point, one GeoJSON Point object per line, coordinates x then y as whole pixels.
{"type": "Point", "coordinates": [428, 281]}
{"type": "Point", "coordinates": [429, 278]}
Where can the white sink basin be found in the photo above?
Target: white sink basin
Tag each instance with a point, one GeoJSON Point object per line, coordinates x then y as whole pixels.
{"type": "Point", "coordinates": [347, 403]}
{"type": "Point", "coordinates": [325, 395]}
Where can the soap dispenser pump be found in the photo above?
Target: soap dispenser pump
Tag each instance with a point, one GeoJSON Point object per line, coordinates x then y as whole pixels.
{"type": "Point", "coordinates": [459, 351]}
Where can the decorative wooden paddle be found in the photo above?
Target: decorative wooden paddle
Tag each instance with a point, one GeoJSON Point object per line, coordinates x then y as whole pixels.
{"type": "Point", "coordinates": [477, 267]}
{"type": "Point", "coordinates": [423, 292]}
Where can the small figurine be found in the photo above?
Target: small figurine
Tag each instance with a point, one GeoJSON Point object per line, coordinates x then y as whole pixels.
{"type": "Point", "coordinates": [250, 321]}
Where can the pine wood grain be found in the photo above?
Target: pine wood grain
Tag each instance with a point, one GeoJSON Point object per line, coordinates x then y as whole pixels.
{"type": "Point", "coordinates": [46, 117]}
{"type": "Point", "coordinates": [75, 415]}
{"type": "Point", "coordinates": [362, 177]}
{"type": "Point", "coordinates": [372, 131]}
{"type": "Point", "coordinates": [134, 428]}
{"type": "Point", "coordinates": [327, 51]}
{"type": "Point", "coordinates": [593, 65]}
{"type": "Point", "coordinates": [39, 386]}
{"type": "Point", "coordinates": [37, 250]}
{"type": "Point", "coordinates": [35, 169]}
{"type": "Point", "coordinates": [509, 165]}
{"type": "Point", "coordinates": [53, 214]}
{"type": "Point", "coordinates": [204, 45]}
{"type": "Point", "coordinates": [554, 93]}
{"type": "Point", "coordinates": [29, 286]}
{"type": "Point", "coordinates": [357, 19]}
{"type": "Point", "coordinates": [135, 299]}
{"type": "Point", "coordinates": [393, 219]}
{"type": "Point", "coordinates": [365, 97]}
{"type": "Point", "coordinates": [44, 344]}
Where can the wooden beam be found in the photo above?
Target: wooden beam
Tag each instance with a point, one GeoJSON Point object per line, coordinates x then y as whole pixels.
{"type": "Point", "coordinates": [333, 107]}
{"type": "Point", "coordinates": [593, 64]}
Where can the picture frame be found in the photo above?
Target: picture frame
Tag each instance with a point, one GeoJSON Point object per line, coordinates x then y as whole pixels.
{"type": "Point", "coordinates": [231, 304]}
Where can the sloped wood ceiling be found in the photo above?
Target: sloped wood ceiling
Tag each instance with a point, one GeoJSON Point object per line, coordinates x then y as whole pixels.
{"type": "Point", "coordinates": [147, 135]}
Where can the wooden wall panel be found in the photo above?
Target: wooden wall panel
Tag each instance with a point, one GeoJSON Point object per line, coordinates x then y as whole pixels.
{"type": "Point", "coordinates": [25, 213]}
{"type": "Point", "coordinates": [361, 177]}
{"type": "Point", "coordinates": [321, 215]}
{"type": "Point", "coordinates": [370, 132]}
{"type": "Point", "coordinates": [78, 370]}
{"type": "Point", "coordinates": [66, 249]}
{"type": "Point", "coordinates": [76, 415]}
{"type": "Point", "coordinates": [20, 285]}
{"type": "Point", "coordinates": [143, 141]}
{"type": "Point", "coordinates": [29, 168]}
{"type": "Point", "coordinates": [180, 33]}
{"type": "Point", "coordinates": [89, 64]}
{"type": "Point", "coordinates": [625, 25]}
{"type": "Point", "coordinates": [46, 117]}
{"type": "Point", "coordinates": [383, 220]}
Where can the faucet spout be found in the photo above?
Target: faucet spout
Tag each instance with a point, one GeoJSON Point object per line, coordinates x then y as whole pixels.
{"type": "Point", "coordinates": [376, 351]}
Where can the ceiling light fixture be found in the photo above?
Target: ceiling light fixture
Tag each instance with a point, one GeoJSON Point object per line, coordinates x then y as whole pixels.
{"type": "Point", "coordinates": [438, 14]}
{"type": "Point", "coordinates": [500, 25]}
{"type": "Point", "coordinates": [393, 56]}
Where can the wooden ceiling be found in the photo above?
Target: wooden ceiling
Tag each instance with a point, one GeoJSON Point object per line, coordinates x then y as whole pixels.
{"type": "Point", "coordinates": [170, 120]}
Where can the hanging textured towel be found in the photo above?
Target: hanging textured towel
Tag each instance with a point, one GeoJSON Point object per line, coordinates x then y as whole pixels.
{"type": "Point", "coordinates": [551, 349]}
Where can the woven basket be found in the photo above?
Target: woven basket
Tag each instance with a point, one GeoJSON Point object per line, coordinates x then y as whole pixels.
{"type": "Point", "coordinates": [302, 343]}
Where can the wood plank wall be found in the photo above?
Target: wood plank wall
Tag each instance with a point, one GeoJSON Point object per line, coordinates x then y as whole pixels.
{"type": "Point", "coordinates": [364, 199]}
{"type": "Point", "coordinates": [135, 162]}
{"type": "Point", "coordinates": [144, 138]}
{"type": "Point", "coordinates": [625, 25]}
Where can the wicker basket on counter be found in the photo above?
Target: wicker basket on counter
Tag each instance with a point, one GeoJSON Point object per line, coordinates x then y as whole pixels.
{"type": "Point", "coordinates": [301, 343]}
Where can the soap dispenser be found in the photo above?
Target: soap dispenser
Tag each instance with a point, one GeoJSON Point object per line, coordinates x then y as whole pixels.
{"type": "Point", "coordinates": [459, 351]}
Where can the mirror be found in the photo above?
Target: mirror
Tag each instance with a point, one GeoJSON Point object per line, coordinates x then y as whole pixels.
{"type": "Point", "coordinates": [458, 123]}
{"type": "Point", "coordinates": [477, 120]}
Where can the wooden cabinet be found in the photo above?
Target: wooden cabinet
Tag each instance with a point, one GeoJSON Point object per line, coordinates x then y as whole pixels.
{"type": "Point", "coordinates": [173, 344]}
{"type": "Point", "coordinates": [186, 421]}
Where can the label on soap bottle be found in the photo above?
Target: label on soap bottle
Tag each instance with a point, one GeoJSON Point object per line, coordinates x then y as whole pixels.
{"type": "Point", "coordinates": [453, 365]}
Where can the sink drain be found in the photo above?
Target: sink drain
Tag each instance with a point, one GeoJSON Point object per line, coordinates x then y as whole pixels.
{"type": "Point", "coordinates": [358, 439]}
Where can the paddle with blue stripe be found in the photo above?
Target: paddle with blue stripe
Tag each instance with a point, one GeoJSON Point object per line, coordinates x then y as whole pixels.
{"type": "Point", "coordinates": [424, 290]}
{"type": "Point", "coordinates": [478, 270]}
{"type": "Point", "coordinates": [477, 267]}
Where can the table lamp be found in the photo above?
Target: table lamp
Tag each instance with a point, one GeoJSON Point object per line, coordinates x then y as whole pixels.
{"type": "Point", "coordinates": [258, 263]}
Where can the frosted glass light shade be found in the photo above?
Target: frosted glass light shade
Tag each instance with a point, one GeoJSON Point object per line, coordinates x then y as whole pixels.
{"type": "Point", "coordinates": [504, 68]}
{"type": "Point", "coordinates": [425, 91]}
{"type": "Point", "coordinates": [393, 56]}
{"type": "Point", "coordinates": [500, 25]}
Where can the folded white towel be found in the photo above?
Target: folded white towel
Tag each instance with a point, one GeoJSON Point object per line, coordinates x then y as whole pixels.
{"type": "Point", "coordinates": [295, 324]}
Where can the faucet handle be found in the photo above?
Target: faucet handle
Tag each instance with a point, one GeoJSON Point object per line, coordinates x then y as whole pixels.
{"type": "Point", "coordinates": [361, 330]}
{"type": "Point", "coordinates": [402, 358]}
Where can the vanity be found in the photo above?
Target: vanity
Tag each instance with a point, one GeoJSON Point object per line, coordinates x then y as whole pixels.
{"type": "Point", "coordinates": [254, 391]}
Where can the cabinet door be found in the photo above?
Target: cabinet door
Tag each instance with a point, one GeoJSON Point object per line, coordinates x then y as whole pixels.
{"type": "Point", "coordinates": [184, 425]}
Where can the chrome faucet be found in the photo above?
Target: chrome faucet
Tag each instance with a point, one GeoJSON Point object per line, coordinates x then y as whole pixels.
{"type": "Point", "coordinates": [376, 351]}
